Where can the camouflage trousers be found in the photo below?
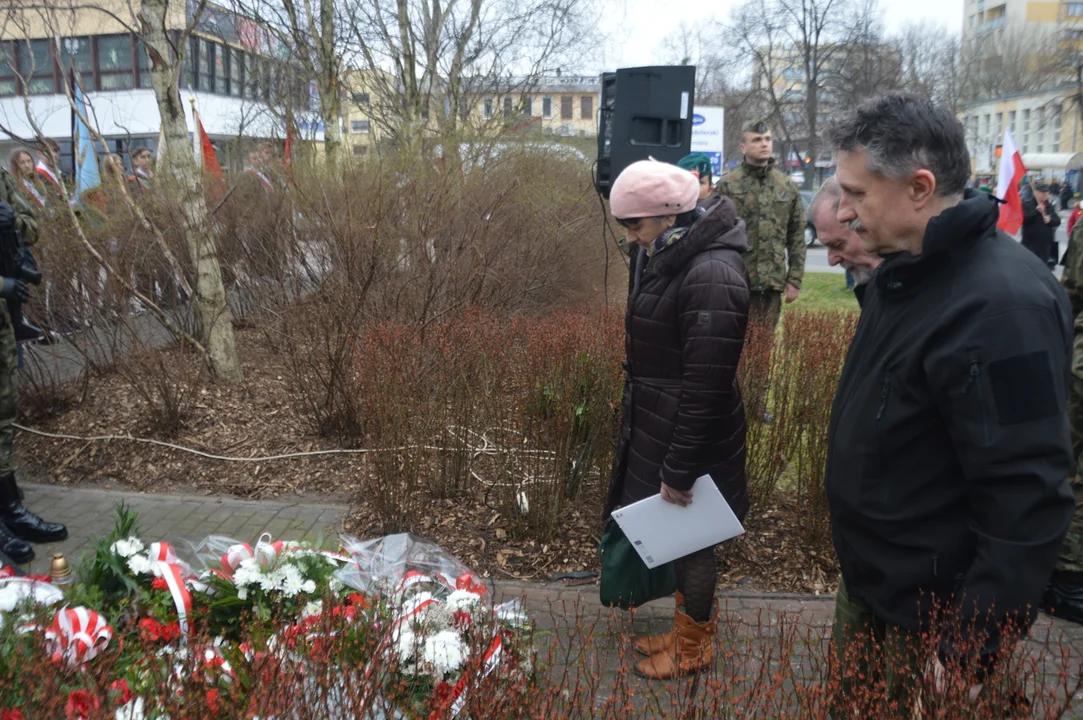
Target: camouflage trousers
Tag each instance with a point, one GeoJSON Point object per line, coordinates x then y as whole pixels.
{"type": "Point", "coordinates": [877, 664]}
{"type": "Point", "coordinates": [9, 390]}
{"type": "Point", "coordinates": [1071, 553]}
{"type": "Point", "coordinates": [765, 306]}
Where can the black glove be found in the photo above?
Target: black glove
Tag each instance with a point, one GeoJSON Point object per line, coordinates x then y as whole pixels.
{"type": "Point", "coordinates": [13, 289]}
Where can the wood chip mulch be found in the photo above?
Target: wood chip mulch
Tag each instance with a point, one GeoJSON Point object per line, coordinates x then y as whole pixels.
{"type": "Point", "coordinates": [257, 418]}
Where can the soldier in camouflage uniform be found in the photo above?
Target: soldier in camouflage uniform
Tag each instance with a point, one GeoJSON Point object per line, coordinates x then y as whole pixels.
{"type": "Point", "coordinates": [1064, 594]}
{"type": "Point", "coordinates": [18, 526]}
{"type": "Point", "coordinates": [774, 216]}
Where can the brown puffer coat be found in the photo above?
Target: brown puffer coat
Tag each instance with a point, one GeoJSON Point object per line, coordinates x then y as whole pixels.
{"type": "Point", "coordinates": [684, 331]}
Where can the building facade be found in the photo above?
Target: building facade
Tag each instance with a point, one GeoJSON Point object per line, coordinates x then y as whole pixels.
{"type": "Point", "coordinates": [1044, 124]}
{"type": "Point", "coordinates": [562, 105]}
{"type": "Point", "coordinates": [236, 71]}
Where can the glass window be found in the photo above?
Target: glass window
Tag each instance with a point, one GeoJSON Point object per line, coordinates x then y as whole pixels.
{"type": "Point", "coordinates": [36, 66]}
{"type": "Point", "coordinates": [142, 59]}
{"type": "Point", "coordinates": [566, 104]}
{"type": "Point", "coordinates": [115, 62]}
{"type": "Point", "coordinates": [362, 99]}
{"type": "Point", "coordinates": [999, 127]}
{"type": "Point", "coordinates": [75, 52]}
{"type": "Point", "coordinates": [251, 77]}
{"type": "Point", "coordinates": [7, 69]}
{"type": "Point", "coordinates": [487, 108]}
{"type": "Point", "coordinates": [509, 107]}
{"type": "Point", "coordinates": [1011, 121]}
{"type": "Point", "coordinates": [360, 126]}
{"type": "Point", "coordinates": [236, 73]}
{"type": "Point", "coordinates": [528, 106]}
{"type": "Point", "coordinates": [547, 107]}
{"type": "Point", "coordinates": [221, 69]}
{"type": "Point", "coordinates": [204, 65]}
{"type": "Point", "coordinates": [360, 150]}
{"type": "Point", "coordinates": [587, 107]}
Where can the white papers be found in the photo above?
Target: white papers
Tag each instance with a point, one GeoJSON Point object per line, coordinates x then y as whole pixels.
{"type": "Point", "coordinates": [661, 531]}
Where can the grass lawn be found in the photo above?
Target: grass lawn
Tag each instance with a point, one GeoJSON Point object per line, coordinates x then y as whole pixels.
{"type": "Point", "coordinates": [824, 291]}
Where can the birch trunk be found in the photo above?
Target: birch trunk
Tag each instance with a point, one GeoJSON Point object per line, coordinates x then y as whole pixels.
{"type": "Point", "coordinates": [183, 179]}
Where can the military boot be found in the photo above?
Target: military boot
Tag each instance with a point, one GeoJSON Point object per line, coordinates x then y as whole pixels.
{"type": "Point", "coordinates": [22, 523]}
{"type": "Point", "coordinates": [1063, 596]}
{"type": "Point", "coordinates": [13, 551]}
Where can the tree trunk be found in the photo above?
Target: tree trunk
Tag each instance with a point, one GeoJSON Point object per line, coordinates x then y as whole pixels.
{"type": "Point", "coordinates": [182, 177]}
{"type": "Point", "coordinates": [329, 97]}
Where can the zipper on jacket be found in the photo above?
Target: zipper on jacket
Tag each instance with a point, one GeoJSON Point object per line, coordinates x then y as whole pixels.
{"type": "Point", "coordinates": [884, 393]}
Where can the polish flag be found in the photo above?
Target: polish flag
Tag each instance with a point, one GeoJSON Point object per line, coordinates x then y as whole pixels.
{"type": "Point", "coordinates": [1011, 174]}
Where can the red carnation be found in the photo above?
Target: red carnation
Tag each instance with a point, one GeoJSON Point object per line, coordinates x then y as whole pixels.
{"type": "Point", "coordinates": [79, 705]}
{"type": "Point", "coordinates": [150, 629]}
{"type": "Point", "coordinates": [159, 584]}
{"type": "Point", "coordinates": [121, 686]}
{"type": "Point", "coordinates": [13, 714]}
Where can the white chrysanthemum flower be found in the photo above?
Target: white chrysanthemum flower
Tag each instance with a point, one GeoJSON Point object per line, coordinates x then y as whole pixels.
{"type": "Point", "coordinates": [443, 653]}
{"type": "Point", "coordinates": [127, 548]}
{"type": "Point", "coordinates": [308, 586]}
{"type": "Point", "coordinates": [132, 711]}
{"type": "Point", "coordinates": [242, 593]}
{"type": "Point", "coordinates": [334, 584]}
{"type": "Point", "coordinates": [462, 601]}
{"type": "Point", "coordinates": [312, 609]}
{"type": "Point", "coordinates": [139, 565]}
{"type": "Point", "coordinates": [291, 585]}
{"type": "Point", "coordinates": [406, 643]}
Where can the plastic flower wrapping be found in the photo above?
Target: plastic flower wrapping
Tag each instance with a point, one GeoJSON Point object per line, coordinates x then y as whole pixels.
{"type": "Point", "coordinates": [376, 629]}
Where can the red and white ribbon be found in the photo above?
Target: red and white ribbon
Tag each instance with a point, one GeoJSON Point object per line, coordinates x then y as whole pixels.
{"type": "Point", "coordinates": [488, 664]}
{"type": "Point", "coordinates": [78, 635]}
{"type": "Point", "coordinates": [267, 551]}
{"type": "Point", "coordinates": [232, 560]}
{"type": "Point", "coordinates": [164, 561]}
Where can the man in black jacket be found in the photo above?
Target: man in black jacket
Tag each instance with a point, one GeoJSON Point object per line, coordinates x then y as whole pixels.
{"type": "Point", "coordinates": [1040, 223]}
{"type": "Point", "coordinates": [949, 452]}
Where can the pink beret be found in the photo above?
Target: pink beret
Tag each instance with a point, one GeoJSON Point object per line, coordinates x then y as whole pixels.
{"type": "Point", "coordinates": [649, 188]}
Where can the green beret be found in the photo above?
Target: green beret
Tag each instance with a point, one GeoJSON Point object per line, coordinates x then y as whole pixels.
{"type": "Point", "coordinates": [696, 162]}
{"type": "Point", "coordinates": [755, 125]}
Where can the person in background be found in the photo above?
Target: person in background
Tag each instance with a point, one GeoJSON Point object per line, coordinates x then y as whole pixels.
{"type": "Point", "coordinates": [682, 412]}
{"type": "Point", "coordinates": [48, 166]}
{"type": "Point", "coordinates": [948, 451]}
{"type": "Point", "coordinates": [1065, 194]}
{"type": "Point", "coordinates": [1073, 218]}
{"type": "Point", "coordinates": [843, 244]}
{"type": "Point", "coordinates": [141, 181]}
{"type": "Point", "coordinates": [1040, 223]}
{"type": "Point", "coordinates": [699, 164]}
{"type": "Point", "coordinates": [774, 216]}
{"type": "Point", "coordinates": [29, 182]}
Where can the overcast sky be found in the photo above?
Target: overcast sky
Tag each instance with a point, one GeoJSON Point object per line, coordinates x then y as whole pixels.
{"type": "Point", "coordinates": [636, 27]}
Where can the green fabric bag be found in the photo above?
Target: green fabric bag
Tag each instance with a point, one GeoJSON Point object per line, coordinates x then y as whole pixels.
{"type": "Point", "coordinates": [626, 581]}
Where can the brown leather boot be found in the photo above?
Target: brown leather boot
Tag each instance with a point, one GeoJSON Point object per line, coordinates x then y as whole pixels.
{"type": "Point", "coordinates": [692, 650]}
{"type": "Point", "coordinates": [649, 645]}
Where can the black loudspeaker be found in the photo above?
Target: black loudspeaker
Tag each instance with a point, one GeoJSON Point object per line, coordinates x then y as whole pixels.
{"type": "Point", "coordinates": [644, 112]}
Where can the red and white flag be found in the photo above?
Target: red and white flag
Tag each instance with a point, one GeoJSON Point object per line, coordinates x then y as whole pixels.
{"type": "Point", "coordinates": [1011, 174]}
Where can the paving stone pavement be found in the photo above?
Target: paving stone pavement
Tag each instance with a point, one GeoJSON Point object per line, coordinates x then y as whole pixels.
{"type": "Point", "coordinates": [751, 623]}
{"type": "Point", "coordinates": [90, 513]}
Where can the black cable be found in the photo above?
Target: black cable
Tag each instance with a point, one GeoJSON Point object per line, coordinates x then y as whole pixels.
{"type": "Point", "coordinates": [605, 226]}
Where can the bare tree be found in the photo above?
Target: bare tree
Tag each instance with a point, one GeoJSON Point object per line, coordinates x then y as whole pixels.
{"type": "Point", "coordinates": [795, 47]}
{"type": "Point", "coordinates": [429, 62]}
{"type": "Point", "coordinates": [931, 65]}
{"type": "Point", "coordinates": [152, 21]}
{"type": "Point", "coordinates": [311, 30]}
{"type": "Point", "coordinates": [1012, 60]}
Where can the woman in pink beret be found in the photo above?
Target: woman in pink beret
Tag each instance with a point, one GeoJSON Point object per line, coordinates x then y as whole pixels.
{"type": "Point", "coordinates": [683, 417]}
